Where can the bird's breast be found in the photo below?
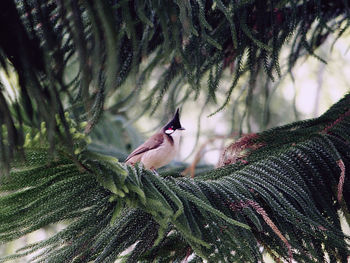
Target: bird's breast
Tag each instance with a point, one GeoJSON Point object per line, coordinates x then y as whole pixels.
{"type": "Point", "coordinates": [163, 154]}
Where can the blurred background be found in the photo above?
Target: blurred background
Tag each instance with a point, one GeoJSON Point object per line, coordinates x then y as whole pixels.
{"type": "Point", "coordinates": [306, 92]}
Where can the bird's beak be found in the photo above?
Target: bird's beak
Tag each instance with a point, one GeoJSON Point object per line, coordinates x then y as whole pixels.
{"type": "Point", "coordinates": [181, 129]}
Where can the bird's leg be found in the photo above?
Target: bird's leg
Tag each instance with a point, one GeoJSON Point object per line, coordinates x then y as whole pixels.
{"type": "Point", "coordinates": [154, 170]}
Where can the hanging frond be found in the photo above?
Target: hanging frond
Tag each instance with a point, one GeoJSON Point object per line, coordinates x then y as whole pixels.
{"type": "Point", "coordinates": [71, 55]}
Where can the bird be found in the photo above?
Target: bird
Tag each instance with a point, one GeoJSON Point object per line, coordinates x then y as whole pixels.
{"type": "Point", "coordinates": [161, 148]}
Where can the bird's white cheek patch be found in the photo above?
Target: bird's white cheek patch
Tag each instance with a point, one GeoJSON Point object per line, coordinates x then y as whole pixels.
{"type": "Point", "coordinates": [169, 131]}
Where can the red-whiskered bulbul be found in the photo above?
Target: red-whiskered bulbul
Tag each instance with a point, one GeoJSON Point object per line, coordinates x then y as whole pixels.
{"type": "Point", "coordinates": [159, 149]}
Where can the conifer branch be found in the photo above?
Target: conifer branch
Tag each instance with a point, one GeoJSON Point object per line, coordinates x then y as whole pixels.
{"type": "Point", "coordinates": [80, 56]}
{"type": "Point", "coordinates": [213, 212]}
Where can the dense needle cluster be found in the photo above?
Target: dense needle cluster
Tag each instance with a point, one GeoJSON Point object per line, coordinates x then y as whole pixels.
{"type": "Point", "coordinates": [285, 198]}
{"type": "Point", "coordinates": [283, 195]}
{"type": "Point", "coordinates": [77, 53]}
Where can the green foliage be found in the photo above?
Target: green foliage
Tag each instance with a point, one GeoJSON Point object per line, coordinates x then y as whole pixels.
{"type": "Point", "coordinates": [79, 63]}
{"type": "Point", "coordinates": [77, 53]}
{"type": "Point", "coordinates": [287, 202]}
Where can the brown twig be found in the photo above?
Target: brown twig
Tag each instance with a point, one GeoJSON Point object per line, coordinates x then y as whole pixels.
{"type": "Point", "coordinates": [341, 165]}
{"type": "Point", "coordinates": [341, 118]}
{"type": "Point", "coordinates": [239, 149]}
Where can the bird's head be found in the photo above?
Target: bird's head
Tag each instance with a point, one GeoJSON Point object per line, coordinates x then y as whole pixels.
{"type": "Point", "coordinates": [173, 125]}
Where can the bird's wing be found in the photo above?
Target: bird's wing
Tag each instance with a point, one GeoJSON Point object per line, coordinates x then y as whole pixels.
{"type": "Point", "coordinates": [152, 143]}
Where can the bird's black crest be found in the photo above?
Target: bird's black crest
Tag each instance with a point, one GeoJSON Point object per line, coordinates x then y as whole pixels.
{"type": "Point", "coordinates": [174, 123]}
